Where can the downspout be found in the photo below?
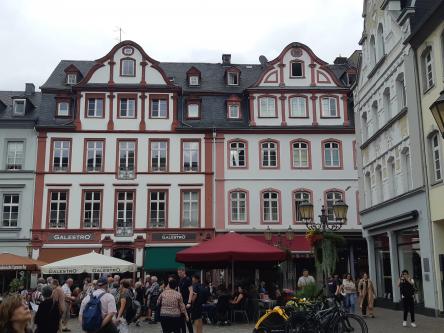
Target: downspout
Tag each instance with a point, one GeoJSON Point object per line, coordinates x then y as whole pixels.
{"type": "Point", "coordinates": [213, 151]}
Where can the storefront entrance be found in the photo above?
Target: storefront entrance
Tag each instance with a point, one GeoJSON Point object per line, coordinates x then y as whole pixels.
{"type": "Point", "coordinates": [383, 266]}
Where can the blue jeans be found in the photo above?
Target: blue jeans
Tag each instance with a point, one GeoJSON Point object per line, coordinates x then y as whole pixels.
{"type": "Point", "coordinates": [349, 302]}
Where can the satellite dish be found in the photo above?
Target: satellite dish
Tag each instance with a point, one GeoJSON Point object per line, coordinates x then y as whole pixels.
{"type": "Point", "coordinates": [263, 60]}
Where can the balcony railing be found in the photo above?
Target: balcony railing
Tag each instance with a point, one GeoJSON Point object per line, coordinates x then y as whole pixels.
{"type": "Point", "coordinates": [124, 231]}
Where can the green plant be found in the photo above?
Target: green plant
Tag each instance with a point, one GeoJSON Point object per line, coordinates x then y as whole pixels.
{"type": "Point", "coordinates": [15, 285]}
{"type": "Point", "coordinates": [310, 291]}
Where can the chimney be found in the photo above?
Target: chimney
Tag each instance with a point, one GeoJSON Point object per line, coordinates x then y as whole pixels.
{"type": "Point", "coordinates": [29, 89]}
{"type": "Point", "coordinates": [340, 60]}
{"type": "Point", "coordinates": [226, 59]}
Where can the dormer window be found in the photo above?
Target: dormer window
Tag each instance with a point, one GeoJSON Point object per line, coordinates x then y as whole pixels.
{"type": "Point", "coordinates": [127, 67]}
{"type": "Point", "coordinates": [193, 110]}
{"type": "Point", "coordinates": [71, 79]}
{"type": "Point", "coordinates": [19, 107]}
{"type": "Point", "coordinates": [62, 109]}
{"type": "Point", "coordinates": [194, 80]}
{"type": "Point", "coordinates": [234, 111]}
{"type": "Point", "coordinates": [233, 79]}
{"type": "Point", "coordinates": [297, 69]}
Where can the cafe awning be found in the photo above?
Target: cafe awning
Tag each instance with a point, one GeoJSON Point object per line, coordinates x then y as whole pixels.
{"type": "Point", "coordinates": [160, 259]}
{"type": "Point", "coordinates": [12, 262]}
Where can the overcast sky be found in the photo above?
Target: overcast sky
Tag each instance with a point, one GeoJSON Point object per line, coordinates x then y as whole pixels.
{"type": "Point", "coordinates": [36, 35]}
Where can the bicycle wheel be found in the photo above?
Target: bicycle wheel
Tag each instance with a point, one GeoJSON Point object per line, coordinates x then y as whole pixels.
{"type": "Point", "coordinates": [350, 323]}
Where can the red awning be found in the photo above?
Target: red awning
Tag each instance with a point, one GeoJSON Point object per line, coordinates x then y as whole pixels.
{"type": "Point", "coordinates": [228, 248]}
{"type": "Point", "coordinates": [299, 243]}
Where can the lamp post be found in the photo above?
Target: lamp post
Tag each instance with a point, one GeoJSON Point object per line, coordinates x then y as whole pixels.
{"type": "Point", "coordinates": [340, 217]}
{"type": "Point", "coordinates": [437, 109]}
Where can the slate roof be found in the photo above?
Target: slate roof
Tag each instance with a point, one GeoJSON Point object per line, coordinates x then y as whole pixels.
{"type": "Point", "coordinates": [32, 106]}
{"type": "Point", "coordinates": [428, 14]}
{"type": "Point", "coordinates": [57, 79]}
{"type": "Point", "coordinates": [423, 10]}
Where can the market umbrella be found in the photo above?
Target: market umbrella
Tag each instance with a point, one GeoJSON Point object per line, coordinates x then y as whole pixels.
{"type": "Point", "coordinates": [230, 248]}
{"type": "Point", "coordinates": [12, 262]}
{"type": "Point", "coordinates": [89, 263]}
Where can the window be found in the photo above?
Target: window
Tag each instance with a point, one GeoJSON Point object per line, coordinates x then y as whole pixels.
{"type": "Point", "coordinates": [372, 50]}
{"type": "Point", "coordinates": [392, 176]}
{"type": "Point", "coordinates": [400, 91]}
{"type": "Point", "coordinates": [427, 63]}
{"type": "Point", "coordinates": [190, 209]}
{"type": "Point", "coordinates": [364, 126]}
{"type": "Point", "coordinates": [127, 159]}
{"type": "Point", "coordinates": [407, 170]}
{"type": "Point", "coordinates": [234, 111]}
{"type": "Point", "coordinates": [379, 185]}
{"type": "Point", "coordinates": [368, 190]}
{"type": "Point", "coordinates": [436, 156]}
{"type": "Point", "coordinates": [296, 69]}
{"type": "Point", "coordinates": [380, 40]}
{"type": "Point", "coordinates": [238, 154]}
{"type": "Point", "coordinates": [92, 202]}
{"type": "Point", "coordinates": [157, 209]}
{"type": "Point", "coordinates": [58, 209]}
{"type": "Point", "coordinates": [267, 107]}
{"type": "Point", "coordinates": [298, 107]}
{"type": "Point", "coordinates": [300, 154]}
{"type": "Point", "coordinates": [193, 110]}
{"type": "Point", "coordinates": [15, 156]}
{"type": "Point", "coordinates": [61, 155]}
{"type": "Point", "coordinates": [10, 210]}
{"type": "Point", "coordinates": [238, 207]}
{"type": "Point", "coordinates": [125, 213]}
{"type": "Point", "coordinates": [94, 155]}
{"type": "Point", "coordinates": [159, 156]}
{"type": "Point", "coordinates": [233, 79]}
{"type": "Point", "coordinates": [375, 117]}
{"type": "Point", "coordinates": [332, 197]}
{"type": "Point", "coordinates": [63, 109]}
{"type": "Point", "coordinates": [95, 108]}
{"type": "Point", "coordinates": [19, 107]}
{"type": "Point", "coordinates": [159, 108]}
{"type": "Point", "coordinates": [332, 154]}
{"type": "Point", "coordinates": [71, 79]}
{"type": "Point", "coordinates": [127, 107]}
{"type": "Point", "coordinates": [387, 104]}
{"type": "Point", "coordinates": [329, 107]}
{"type": "Point", "coordinates": [190, 156]}
{"type": "Point", "coordinates": [128, 67]}
{"type": "Point", "coordinates": [270, 207]}
{"type": "Point", "coordinates": [298, 198]}
{"type": "Point", "coordinates": [269, 154]}
{"type": "Point", "coordinates": [194, 80]}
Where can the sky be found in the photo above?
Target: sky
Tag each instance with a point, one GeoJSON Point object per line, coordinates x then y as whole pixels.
{"type": "Point", "coordinates": [36, 34]}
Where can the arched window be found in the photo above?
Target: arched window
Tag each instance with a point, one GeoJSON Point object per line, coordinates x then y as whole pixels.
{"type": "Point", "coordinates": [238, 206]}
{"type": "Point", "coordinates": [237, 151]}
{"type": "Point", "coordinates": [332, 154]}
{"type": "Point", "coordinates": [364, 127]}
{"type": "Point", "coordinates": [300, 196]}
{"type": "Point", "coordinates": [427, 68]}
{"type": "Point", "coordinates": [380, 49]}
{"type": "Point", "coordinates": [379, 188]}
{"type": "Point", "coordinates": [331, 198]}
{"type": "Point", "coordinates": [300, 152]}
{"type": "Point", "coordinates": [270, 206]}
{"type": "Point", "coordinates": [435, 153]}
{"type": "Point", "coordinates": [392, 176]}
{"type": "Point", "coordinates": [269, 157]}
{"type": "Point", "coordinates": [368, 189]}
{"type": "Point", "coordinates": [400, 91]}
{"type": "Point", "coordinates": [375, 118]}
{"type": "Point", "coordinates": [387, 104]}
{"type": "Point", "coordinates": [372, 51]}
{"type": "Point", "coordinates": [407, 170]}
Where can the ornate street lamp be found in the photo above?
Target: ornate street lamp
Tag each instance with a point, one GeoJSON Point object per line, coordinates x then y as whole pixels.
{"type": "Point", "coordinates": [268, 235]}
{"type": "Point", "coordinates": [340, 212]}
{"type": "Point", "coordinates": [289, 234]}
{"type": "Point", "coordinates": [437, 109]}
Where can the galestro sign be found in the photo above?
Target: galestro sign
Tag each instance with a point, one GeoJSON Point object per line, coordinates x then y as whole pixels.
{"type": "Point", "coordinates": [71, 237]}
{"type": "Point", "coordinates": [180, 236]}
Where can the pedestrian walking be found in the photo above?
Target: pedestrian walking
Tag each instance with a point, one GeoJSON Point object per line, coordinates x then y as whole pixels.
{"type": "Point", "coordinates": [407, 288]}
{"type": "Point", "coordinates": [348, 289]}
{"type": "Point", "coordinates": [186, 290]}
{"type": "Point", "coordinates": [68, 301]}
{"type": "Point", "coordinates": [107, 307]}
{"type": "Point", "coordinates": [15, 315]}
{"type": "Point", "coordinates": [172, 309]}
{"type": "Point", "coordinates": [366, 295]}
{"type": "Point", "coordinates": [47, 318]}
{"type": "Point", "coordinates": [306, 279]}
{"type": "Point", "coordinates": [153, 293]}
{"type": "Point", "coordinates": [123, 307]}
{"type": "Point", "coordinates": [200, 297]}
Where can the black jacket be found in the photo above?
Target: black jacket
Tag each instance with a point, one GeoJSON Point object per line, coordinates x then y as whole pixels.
{"type": "Point", "coordinates": [47, 318]}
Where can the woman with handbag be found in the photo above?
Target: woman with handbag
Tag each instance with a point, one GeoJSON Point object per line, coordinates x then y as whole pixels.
{"type": "Point", "coordinates": [348, 289]}
{"type": "Point", "coordinates": [366, 295]}
{"type": "Point", "coordinates": [172, 309]}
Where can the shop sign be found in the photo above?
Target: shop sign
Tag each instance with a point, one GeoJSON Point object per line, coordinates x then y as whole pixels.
{"type": "Point", "coordinates": [12, 267]}
{"type": "Point", "coordinates": [71, 237]}
{"type": "Point", "coordinates": [168, 237]}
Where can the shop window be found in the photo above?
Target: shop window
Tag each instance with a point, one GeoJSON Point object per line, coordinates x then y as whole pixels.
{"type": "Point", "coordinates": [383, 266]}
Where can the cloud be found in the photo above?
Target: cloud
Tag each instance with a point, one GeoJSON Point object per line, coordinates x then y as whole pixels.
{"type": "Point", "coordinates": [36, 35]}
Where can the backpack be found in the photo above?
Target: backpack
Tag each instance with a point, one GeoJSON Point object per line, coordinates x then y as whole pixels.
{"type": "Point", "coordinates": [92, 315]}
{"type": "Point", "coordinates": [133, 307]}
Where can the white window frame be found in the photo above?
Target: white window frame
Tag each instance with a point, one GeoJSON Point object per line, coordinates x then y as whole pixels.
{"type": "Point", "coordinates": [158, 201]}
{"type": "Point", "coordinates": [267, 105]}
{"type": "Point", "coordinates": [91, 217]}
{"type": "Point", "coordinates": [71, 79]}
{"type": "Point", "coordinates": [267, 148]}
{"type": "Point", "coordinates": [188, 150]}
{"type": "Point", "coordinates": [193, 111]}
{"type": "Point", "coordinates": [238, 148]}
{"type": "Point", "coordinates": [330, 147]}
{"type": "Point", "coordinates": [161, 112]}
{"type": "Point", "coordinates": [190, 209]}
{"type": "Point", "coordinates": [233, 79]}
{"type": "Point", "coordinates": [127, 169]}
{"type": "Point", "coordinates": [238, 207]}
{"type": "Point", "coordinates": [327, 107]}
{"type": "Point", "coordinates": [125, 205]}
{"type": "Point", "coordinates": [436, 158]}
{"type": "Point", "coordinates": [158, 147]}
{"type": "Point", "coordinates": [299, 149]}
{"type": "Point", "coordinates": [15, 160]}
{"type": "Point", "coordinates": [9, 216]}
{"type": "Point", "coordinates": [125, 70]}
{"type": "Point", "coordinates": [128, 105]}
{"type": "Point", "coordinates": [63, 112]}
{"type": "Point", "coordinates": [331, 198]}
{"type": "Point", "coordinates": [429, 79]}
{"type": "Point", "coordinates": [95, 147]}
{"type": "Point", "coordinates": [16, 104]}
{"type": "Point", "coordinates": [193, 80]}
{"type": "Point", "coordinates": [299, 197]}
{"type": "Point", "coordinates": [270, 207]}
{"type": "Point", "coordinates": [234, 111]}
{"type": "Point", "coordinates": [96, 112]}
{"type": "Point", "coordinates": [59, 152]}
{"type": "Point", "coordinates": [298, 109]}
{"type": "Point", "coordinates": [58, 223]}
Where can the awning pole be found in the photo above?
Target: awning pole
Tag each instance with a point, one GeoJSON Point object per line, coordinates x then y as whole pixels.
{"type": "Point", "coordinates": [232, 276]}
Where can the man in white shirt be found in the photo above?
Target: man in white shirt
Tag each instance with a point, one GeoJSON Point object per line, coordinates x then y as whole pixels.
{"type": "Point", "coordinates": [108, 307]}
{"type": "Point", "coordinates": [68, 300]}
{"type": "Point", "coordinates": [305, 279]}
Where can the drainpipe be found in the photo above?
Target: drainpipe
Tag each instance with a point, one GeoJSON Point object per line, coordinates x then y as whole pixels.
{"type": "Point", "coordinates": [213, 150]}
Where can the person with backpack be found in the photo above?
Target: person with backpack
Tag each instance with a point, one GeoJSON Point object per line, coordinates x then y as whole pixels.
{"type": "Point", "coordinates": [98, 309]}
{"type": "Point", "coordinates": [48, 316]}
{"type": "Point", "coordinates": [407, 288]}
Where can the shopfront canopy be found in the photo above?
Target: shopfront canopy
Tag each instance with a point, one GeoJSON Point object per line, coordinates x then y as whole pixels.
{"type": "Point", "coordinates": [89, 263]}
{"type": "Point", "coordinates": [12, 262]}
{"type": "Point", "coordinates": [230, 247]}
{"type": "Point", "coordinates": [162, 259]}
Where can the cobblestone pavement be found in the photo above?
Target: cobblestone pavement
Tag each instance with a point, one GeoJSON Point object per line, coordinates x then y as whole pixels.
{"type": "Point", "coordinates": [386, 321]}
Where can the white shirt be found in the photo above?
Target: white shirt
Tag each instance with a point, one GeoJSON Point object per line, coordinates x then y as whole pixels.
{"type": "Point", "coordinates": [303, 281]}
{"type": "Point", "coordinates": [66, 290]}
{"type": "Point", "coordinates": [108, 304]}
